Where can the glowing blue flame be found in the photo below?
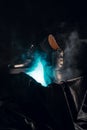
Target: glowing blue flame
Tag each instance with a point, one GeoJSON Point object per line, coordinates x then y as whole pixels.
{"type": "Point", "coordinates": [38, 72]}
{"type": "Point", "coordinates": [41, 70]}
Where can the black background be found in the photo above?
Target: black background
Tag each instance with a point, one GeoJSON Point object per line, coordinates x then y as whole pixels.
{"type": "Point", "coordinates": [31, 19]}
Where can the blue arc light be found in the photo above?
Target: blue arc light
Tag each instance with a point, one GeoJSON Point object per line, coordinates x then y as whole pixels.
{"type": "Point", "coordinates": [38, 72]}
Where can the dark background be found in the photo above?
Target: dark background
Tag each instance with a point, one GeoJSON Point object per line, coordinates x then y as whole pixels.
{"type": "Point", "coordinates": [30, 20]}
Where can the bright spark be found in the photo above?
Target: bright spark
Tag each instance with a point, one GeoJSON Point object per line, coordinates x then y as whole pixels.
{"type": "Point", "coordinates": [38, 73]}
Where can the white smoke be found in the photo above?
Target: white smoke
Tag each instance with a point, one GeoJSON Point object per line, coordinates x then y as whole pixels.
{"type": "Point", "coordinates": [71, 54]}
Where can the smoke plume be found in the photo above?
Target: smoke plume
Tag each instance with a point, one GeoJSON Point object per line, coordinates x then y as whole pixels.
{"type": "Point", "coordinates": [71, 56]}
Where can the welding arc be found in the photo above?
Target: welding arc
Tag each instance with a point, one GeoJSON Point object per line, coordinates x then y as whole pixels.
{"type": "Point", "coordinates": [52, 42]}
